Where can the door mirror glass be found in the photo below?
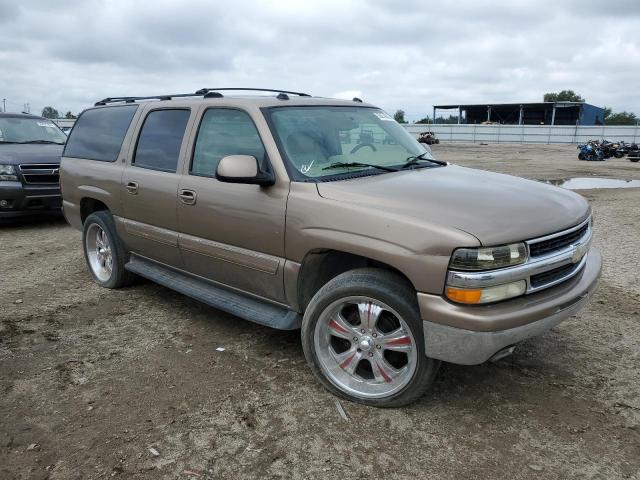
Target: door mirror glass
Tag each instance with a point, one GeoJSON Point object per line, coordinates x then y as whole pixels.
{"type": "Point", "coordinates": [242, 169]}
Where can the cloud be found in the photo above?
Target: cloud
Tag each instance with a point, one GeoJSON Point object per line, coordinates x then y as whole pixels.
{"type": "Point", "coordinates": [407, 55]}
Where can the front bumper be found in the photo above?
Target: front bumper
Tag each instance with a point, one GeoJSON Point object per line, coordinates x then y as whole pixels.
{"type": "Point", "coordinates": [470, 335]}
{"type": "Point", "coordinates": [28, 200]}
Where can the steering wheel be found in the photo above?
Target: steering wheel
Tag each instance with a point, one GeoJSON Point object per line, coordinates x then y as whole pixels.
{"type": "Point", "coordinates": [360, 145]}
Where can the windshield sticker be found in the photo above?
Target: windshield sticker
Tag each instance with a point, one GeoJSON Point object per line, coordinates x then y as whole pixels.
{"type": "Point", "coordinates": [46, 124]}
{"type": "Point", "coordinates": [383, 116]}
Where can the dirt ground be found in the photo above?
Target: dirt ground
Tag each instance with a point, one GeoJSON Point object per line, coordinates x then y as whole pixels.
{"type": "Point", "coordinates": [92, 379]}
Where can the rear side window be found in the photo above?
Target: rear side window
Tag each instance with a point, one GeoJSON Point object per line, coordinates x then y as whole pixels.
{"type": "Point", "coordinates": [160, 140]}
{"type": "Point", "coordinates": [99, 132]}
{"type": "Point", "coordinates": [222, 132]}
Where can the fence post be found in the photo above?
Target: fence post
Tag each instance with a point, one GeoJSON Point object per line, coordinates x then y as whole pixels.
{"type": "Point", "coordinates": [635, 134]}
{"type": "Point", "coordinates": [474, 132]}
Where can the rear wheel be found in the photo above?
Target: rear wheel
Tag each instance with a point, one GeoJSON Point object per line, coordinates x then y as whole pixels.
{"type": "Point", "coordinates": [104, 252]}
{"type": "Point", "coordinates": [363, 338]}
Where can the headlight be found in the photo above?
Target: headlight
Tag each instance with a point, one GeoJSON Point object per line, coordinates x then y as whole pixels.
{"type": "Point", "coordinates": [488, 258]}
{"type": "Point", "coordinates": [487, 294]}
{"type": "Point", "coordinates": [8, 173]}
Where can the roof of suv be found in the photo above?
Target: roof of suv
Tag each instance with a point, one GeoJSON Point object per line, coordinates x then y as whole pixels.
{"type": "Point", "coordinates": [214, 96]}
{"type": "Point", "coordinates": [22, 115]}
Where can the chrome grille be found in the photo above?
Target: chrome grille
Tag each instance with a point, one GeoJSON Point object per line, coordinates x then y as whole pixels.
{"type": "Point", "coordinates": [538, 248]}
{"type": "Point", "coordinates": [44, 173]}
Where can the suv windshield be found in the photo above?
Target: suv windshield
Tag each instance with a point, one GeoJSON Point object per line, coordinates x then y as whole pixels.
{"type": "Point", "coordinates": [30, 130]}
{"type": "Point", "coordinates": [314, 138]}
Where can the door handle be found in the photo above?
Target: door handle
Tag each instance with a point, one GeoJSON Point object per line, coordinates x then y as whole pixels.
{"type": "Point", "coordinates": [188, 197]}
{"type": "Point", "coordinates": [132, 188]}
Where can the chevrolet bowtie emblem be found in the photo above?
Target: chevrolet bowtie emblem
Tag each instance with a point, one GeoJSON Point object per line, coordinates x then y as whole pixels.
{"type": "Point", "coordinates": [579, 252]}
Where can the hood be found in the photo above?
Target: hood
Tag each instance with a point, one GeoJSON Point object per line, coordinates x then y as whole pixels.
{"type": "Point", "coordinates": [14, 154]}
{"type": "Point", "coordinates": [495, 208]}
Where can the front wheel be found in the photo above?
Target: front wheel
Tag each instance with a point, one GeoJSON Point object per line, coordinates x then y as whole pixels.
{"type": "Point", "coordinates": [362, 337]}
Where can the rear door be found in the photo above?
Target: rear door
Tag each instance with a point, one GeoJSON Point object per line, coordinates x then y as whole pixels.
{"type": "Point", "coordinates": [150, 184]}
{"type": "Point", "coordinates": [232, 233]}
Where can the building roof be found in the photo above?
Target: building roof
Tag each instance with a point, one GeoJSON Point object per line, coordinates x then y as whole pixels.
{"type": "Point", "coordinates": [524, 104]}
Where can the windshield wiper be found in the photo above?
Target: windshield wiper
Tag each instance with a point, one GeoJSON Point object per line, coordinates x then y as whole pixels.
{"type": "Point", "coordinates": [414, 159]}
{"type": "Point", "coordinates": [358, 164]}
{"type": "Point", "coordinates": [41, 141]}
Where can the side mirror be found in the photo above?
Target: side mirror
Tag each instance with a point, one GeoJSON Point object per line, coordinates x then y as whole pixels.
{"type": "Point", "coordinates": [242, 169]}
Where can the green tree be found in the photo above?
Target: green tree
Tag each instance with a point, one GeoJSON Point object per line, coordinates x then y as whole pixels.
{"type": "Point", "coordinates": [424, 120]}
{"type": "Point", "coordinates": [620, 118]}
{"type": "Point", "coordinates": [449, 119]}
{"type": "Point", "coordinates": [399, 116]}
{"type": "Point", "coordinates": [607, 113]}
{"type": "Point", "coordinates": [69, 115]}
{"type": "Point", "coordinates": [50, 112]}
{"type": "Point", "coordinates": [562, 96]}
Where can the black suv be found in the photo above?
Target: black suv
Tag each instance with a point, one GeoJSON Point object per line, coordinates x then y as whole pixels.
{"type": "Point", "coordinates": [30, 150]}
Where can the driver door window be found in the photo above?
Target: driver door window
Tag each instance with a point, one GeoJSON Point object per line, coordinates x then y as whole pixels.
{"type": "Point", "coordinates": [223, 132]}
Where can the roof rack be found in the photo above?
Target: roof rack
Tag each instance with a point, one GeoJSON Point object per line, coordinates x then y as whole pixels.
{"type": "Point", "coordinates": [204, 92]}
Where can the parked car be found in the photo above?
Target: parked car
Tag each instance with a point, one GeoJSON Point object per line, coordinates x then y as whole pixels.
{"type": "Point", "coordinates": [389, 260]}
{"type": "Point", "coordinates": [30, 150]}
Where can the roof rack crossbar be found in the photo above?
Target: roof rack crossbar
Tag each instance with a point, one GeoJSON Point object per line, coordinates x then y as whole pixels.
{"type": "Point", "coordinates": [201, 92]}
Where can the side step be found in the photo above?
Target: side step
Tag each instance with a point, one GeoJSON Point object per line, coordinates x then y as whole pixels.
{"type": "Point", "coordinates": [243, 306]}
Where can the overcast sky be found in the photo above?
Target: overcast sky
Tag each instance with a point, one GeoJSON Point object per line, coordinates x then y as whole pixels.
{"type": "Point", "coordinates": [407, 54]}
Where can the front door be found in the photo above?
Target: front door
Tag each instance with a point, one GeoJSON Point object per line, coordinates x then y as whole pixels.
{"type": "Point", "coordinates": [232, 233]}
{"type": "Point", "coordinates": [150, 182]}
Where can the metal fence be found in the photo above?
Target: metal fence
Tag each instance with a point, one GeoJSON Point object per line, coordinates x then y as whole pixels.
{"type": "Point", "coordinates": [526, 133]}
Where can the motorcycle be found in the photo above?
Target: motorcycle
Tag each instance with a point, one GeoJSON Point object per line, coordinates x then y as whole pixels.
{"type": "Point", "coordinates": [627, 148]}
{"type": "Point", "coordinates": [591, 152]}
{"type": "Point", "coordinates": [428, 137]}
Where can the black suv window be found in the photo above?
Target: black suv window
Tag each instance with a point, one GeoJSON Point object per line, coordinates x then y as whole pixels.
{"type": "Point", "coordinates": [222, 132]}
{"type": "Point", "coordinates": [160, 140]}
{"type": "Point", "coordinates": [99, 132]}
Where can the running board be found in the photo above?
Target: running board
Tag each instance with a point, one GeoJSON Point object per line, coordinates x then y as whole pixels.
{"type": "Point", "coordinates": [230, 301]}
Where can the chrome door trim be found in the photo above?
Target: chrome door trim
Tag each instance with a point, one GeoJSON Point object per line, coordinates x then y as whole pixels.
{"type": "Point", "coordinates": [149, 232]}
{"type": "Point", "coordinates": [230, 253]}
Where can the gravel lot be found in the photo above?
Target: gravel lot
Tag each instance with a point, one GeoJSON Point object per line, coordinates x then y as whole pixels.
{"type": "Point", "coordinates": [94, 382]}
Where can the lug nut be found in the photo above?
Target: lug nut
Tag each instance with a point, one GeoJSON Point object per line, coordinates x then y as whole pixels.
{"type": "Point", "coordinates": [355, 339]}
{"type": "Point", "coordinates": [378, 347]}
{"type": "Point", "coordinates": [371, 354]}
{"type": "Point", "coordinates": [375, 335]}
{"type": "Point", "coordinates": [362, 330]}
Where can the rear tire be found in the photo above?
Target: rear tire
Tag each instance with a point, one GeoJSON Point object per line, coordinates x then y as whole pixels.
{"type": "Point", "coordinates": [362, 337]}
{"type": "Point", "coordinates": [104, 252]}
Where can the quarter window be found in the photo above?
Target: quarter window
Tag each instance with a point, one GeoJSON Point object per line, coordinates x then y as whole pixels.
{"type": "Point", "coordinates": [99, 132]}
{"type": "Point", "coordinates": [222, 132]}
{"type": "Point", "coordinates": [160, 140]}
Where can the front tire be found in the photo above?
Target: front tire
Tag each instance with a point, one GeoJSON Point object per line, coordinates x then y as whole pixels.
{"type": "Point", "coordinates": [362, 337]}
{"type": "Point", "coordinates": [103, 251]}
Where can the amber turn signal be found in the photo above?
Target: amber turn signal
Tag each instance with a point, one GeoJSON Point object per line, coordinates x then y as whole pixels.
{"type": "Point", "coordinates": [487, 294]}
{"type": "Point", "coordinates": [464, 296]}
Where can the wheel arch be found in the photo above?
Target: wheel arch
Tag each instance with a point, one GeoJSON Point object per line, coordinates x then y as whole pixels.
{"type": "Point", "coordinates": [319, 266]}
{"type": "Point", "coordinates": [89, 205]}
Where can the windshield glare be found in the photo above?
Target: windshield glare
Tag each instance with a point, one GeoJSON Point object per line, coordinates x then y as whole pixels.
{"type": "Point", "coordinates": [315, 137]}
{"type": "Point", "coordinates": [21, 130]}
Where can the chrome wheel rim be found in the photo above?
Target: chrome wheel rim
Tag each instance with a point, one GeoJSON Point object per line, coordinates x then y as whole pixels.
{"type": "Point", "coordinates": [365, 348]}
{"type": "Point", "coordinates": [99, 252]}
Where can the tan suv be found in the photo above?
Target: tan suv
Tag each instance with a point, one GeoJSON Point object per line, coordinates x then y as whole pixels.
{"type": "Point", "coordinates": [326, 215]}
